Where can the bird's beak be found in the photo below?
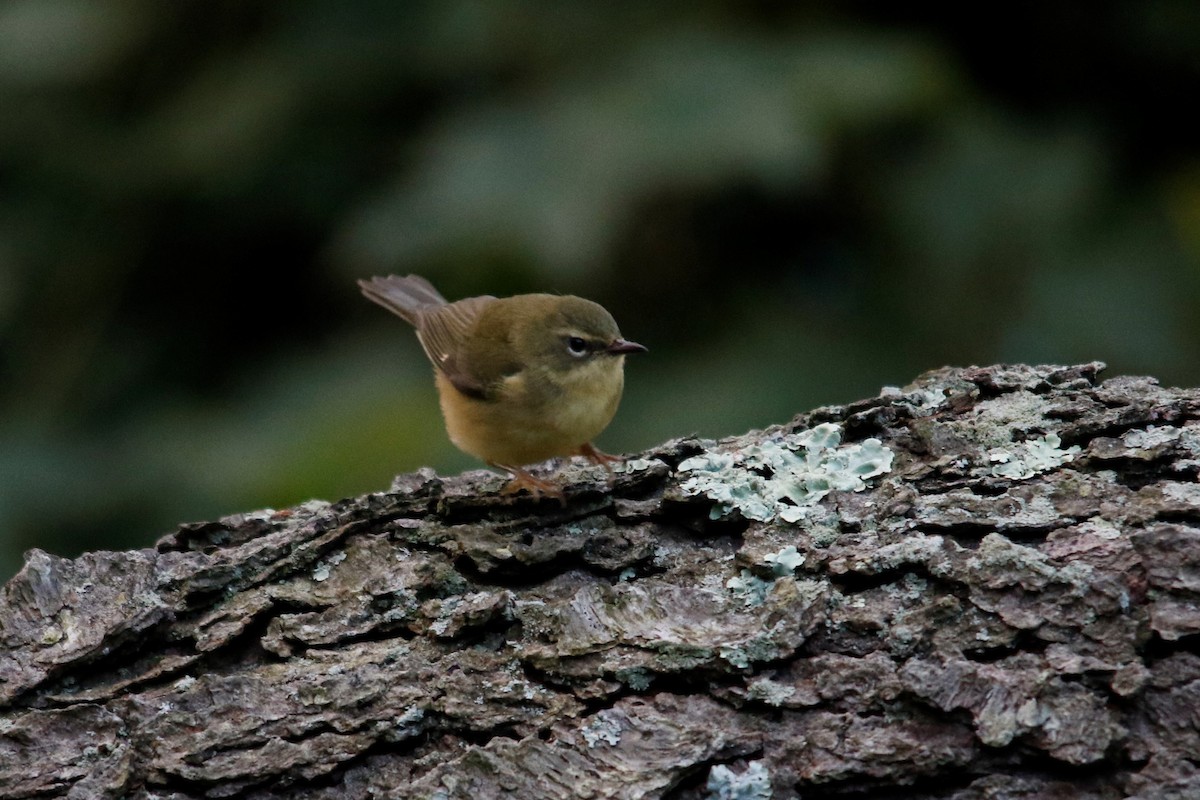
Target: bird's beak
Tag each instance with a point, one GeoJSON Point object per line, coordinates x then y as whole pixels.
{"type": "Point", "coordinates": [621, 347]}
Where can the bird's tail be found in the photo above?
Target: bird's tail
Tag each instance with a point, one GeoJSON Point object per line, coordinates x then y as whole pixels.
{"type": "Point", "coordinates": [404, 296]}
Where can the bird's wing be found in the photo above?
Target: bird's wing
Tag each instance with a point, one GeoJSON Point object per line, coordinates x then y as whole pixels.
{"type": "Point", "coordinates": [442, 330]}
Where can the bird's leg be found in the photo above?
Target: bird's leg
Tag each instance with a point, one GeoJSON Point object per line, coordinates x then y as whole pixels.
{"type": "Point", "coordinates": [600, 457]}
{"type": "Point", "coordinates": [523, 479]}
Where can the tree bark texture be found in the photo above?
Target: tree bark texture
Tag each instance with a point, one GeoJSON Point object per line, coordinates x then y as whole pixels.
{"type": "Point", "coordinates": [1009, 607]}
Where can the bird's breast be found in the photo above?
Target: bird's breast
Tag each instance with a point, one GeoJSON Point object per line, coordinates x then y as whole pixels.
{"type": "Point", "coordinates": [534, 416]}
{"type": "Point", "coordinates": [585, 398]}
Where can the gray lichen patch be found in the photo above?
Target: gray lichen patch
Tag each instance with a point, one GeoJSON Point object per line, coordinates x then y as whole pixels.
{"type": "Point", "coordinates": [751, 589]}
{"type": "Point", "coordinates": [780, 479]}
{"type": "Point", "coordinates": [995, 420]}
{"type": "Point", "coordinates": [752, 783]}
{"type": "Point", "coordinates": [604, 728]}
{"type": "Point", "coordinates": [1033, 456]}
{"type": "Point", "coordinates": [765, 690]}
{"type": "Point", "coordinates": [1142, 444]}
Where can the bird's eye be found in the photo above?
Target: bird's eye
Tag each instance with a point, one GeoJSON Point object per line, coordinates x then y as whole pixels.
{"type": "Point", "coordinates": [577, 346]}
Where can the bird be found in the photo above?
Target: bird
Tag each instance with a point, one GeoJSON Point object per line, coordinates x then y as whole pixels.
{"type": "Point", "coordinates": [520, 379]}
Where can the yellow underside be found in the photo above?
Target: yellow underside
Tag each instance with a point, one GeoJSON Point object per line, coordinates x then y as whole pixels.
{"type": "Point", "coordinates": [525, 427]}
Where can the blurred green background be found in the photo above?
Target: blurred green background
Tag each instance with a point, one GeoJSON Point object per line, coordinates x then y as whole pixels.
{"type": "Point", "coordinates": [790, 203]}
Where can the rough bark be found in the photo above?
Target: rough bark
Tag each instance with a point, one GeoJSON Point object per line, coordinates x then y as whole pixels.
{"type": "Point", "coordinates": [995, 615]}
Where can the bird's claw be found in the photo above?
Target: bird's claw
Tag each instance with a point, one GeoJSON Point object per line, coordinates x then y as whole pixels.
{"type": "Point", "coordinates": [596, 456]}
{"type": "Point", "coordinates": [537, 487]}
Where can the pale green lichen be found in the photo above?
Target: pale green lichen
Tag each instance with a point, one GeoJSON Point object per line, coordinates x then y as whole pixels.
{"type": "Point", "coordinates": [636, 678]}
{"type": "Point", "coordinates": [783, 478]}
{"type": "Point", "coordinates": [1189, 441]}
{"type": "Point", "coordinates": [757, 649]}
{"type": "Point", "coordinates": [53, 634]}
{"type": "Point", "coordinates": [65, 626]}
{"type": "Point", "coordinates": [604, 727]}
{"type": "Point", "coordinates": [725, 784]}
{"type": "Point", "coordinates": [403, 726]}
{"type": "Point", "coordinates": [1151, 437]}
{"type": "Point", "coordinates": [995, 419]}
{"type": "Point", "coordinates": [768, 691]}
{"type": "Point", "coordinates": [410, 723]}
{"type": "Point", "coordinates": [321, 570]}
{"type": "Point", "coordinates": [785, 562]}
{"type": "Point", "coordinates": [735, 655]}
{"type": "Point", "coordinates": [636, 464]}
{"type": "Point", "coordinates": [314, 695]}
{"type": "Point", "coordinates": [751, 589]}
{"type": "Point", "coordinates": [445, 616]}
{"type": "Point", "coordinates": [1028, 458]}
{"type": "Point", "coordinates": [1183, 494]}
{"type": "Point", "coordinates": [922, 399]}
{"type": "Point", "coordinates": [929, 399]}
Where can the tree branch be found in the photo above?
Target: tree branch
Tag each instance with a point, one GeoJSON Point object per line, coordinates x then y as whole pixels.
{"type": "Point", "coordinates": [986, 585]}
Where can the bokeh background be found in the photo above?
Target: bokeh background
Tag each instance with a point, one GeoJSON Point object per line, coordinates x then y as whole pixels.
{"type": "Point", "coordinates": [790, 203]}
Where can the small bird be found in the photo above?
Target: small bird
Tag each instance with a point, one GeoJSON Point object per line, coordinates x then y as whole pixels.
{"type": "Point", "coordinates": [520, 379]}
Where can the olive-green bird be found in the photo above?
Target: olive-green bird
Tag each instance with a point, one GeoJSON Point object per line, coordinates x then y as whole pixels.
{"type": "Point", "coordinates": [521, 379]}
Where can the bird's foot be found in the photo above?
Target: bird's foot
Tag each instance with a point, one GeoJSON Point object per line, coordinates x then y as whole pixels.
{"type": "Point", "coordinates": [523, 479]}
{"type": "Point", "coordinates": [606, 460]}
